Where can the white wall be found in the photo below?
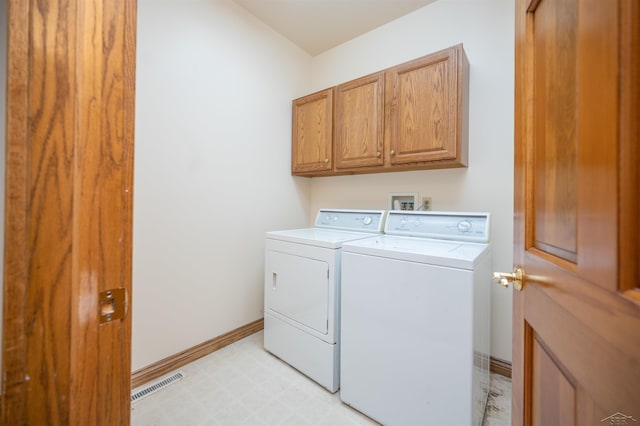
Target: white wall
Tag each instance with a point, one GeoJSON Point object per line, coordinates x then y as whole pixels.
{"type": "Point", "coordinates": [212, 169]}
{"type": "Point", "coordinates": [3, 108]}
{"type": "Point", "coordinates": [486, 27]}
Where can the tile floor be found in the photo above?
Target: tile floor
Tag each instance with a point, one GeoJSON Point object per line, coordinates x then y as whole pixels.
{"type": "Point", "coordinates": [242, 384]}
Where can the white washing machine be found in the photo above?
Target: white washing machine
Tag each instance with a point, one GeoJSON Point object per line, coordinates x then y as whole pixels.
{"type": "Point", "coordinates": [415, 311]}
{"type": "Point", "coordinates": [302, 290]}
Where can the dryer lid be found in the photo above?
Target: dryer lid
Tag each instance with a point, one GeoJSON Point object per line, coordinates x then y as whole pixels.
{"type": "Point", "coordinates": [319, 237]}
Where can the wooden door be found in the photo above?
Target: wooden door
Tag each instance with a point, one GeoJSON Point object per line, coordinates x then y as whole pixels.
{"type": "Point", "coordinates": [576, 357]}
{"type": "Point", "coordinates": [68, 211]}
{"type": "Point", "coordinates": [312, 133]}
{"type": "Point", "coordinates": [428, 107]}
{"type": "Point", "coordinates": [359, 122]}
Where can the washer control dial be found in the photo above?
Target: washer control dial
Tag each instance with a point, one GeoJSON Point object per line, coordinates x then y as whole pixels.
{"type": "Point", "coordinates": [367, 220]}
{"type": "Point", "coordinates": [464, 226]}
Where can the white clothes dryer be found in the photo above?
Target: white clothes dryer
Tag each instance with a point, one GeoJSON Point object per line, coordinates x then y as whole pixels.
{"type": "Point", "coordinates": [302, 290]}
{"type": "Point", "coordinates": [415, 311]}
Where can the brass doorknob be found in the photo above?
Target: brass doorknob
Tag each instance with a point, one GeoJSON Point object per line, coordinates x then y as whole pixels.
{"type": "Point", "coordinates": [516, 278]}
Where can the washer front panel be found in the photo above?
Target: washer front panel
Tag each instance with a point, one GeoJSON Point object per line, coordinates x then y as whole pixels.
{"type": "Point", "coordinates": [407, 342]}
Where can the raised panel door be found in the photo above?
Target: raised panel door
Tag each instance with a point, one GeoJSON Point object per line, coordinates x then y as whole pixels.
{"type": "Point", "coordinates": [359, 122]}
{"type": "Point", "coordinates": [576, 356]}
{"type": "Point", "coordinates": [312, 134]}
{"type": "Point", "coordinates": [427, 109]}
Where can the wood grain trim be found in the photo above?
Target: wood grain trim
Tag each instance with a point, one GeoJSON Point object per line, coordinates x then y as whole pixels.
{"type": "Point", "coordinates": [103, 204]}
{"type": "Point", "coordinates": [532, 5]}
{"type": "Point", "coordinates": [65, 161]}
{"type": "Point", "coordinates": [500, 367]}
{"type": "Point", "coordinates": [16, 260]}
{"type": "Point", "coordinates": [180, 359]}
{"type": "Point", "coordinates": [522, 227]}
{"type": "Point", "coordinates": [629, 152]}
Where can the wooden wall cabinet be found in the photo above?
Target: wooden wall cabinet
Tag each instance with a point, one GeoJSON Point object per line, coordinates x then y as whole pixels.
{"type": "Point", "coordinates": [312, 132]}
{"type": "Point", "coordinates": [359, 122]}
{"type": "Point", "coordinates": [409, 117]}
{"type": "Point", "coordinates": [428, 109]}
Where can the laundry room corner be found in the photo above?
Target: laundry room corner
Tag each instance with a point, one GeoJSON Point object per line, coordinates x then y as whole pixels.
{"type": "Point", "coordinates": [486, 29]}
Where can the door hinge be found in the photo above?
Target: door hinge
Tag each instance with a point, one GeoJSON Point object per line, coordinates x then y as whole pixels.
{"type": "Point", "coordinates": [114, 304]}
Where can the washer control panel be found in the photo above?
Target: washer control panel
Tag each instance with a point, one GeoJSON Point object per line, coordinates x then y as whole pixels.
{"type": "Point", "coordinates": [459, 226]}
{"type": "Point", "coordinates": [351, 220]}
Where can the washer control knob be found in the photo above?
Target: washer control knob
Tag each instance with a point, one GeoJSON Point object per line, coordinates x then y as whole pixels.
{"type": "Point", "coordinates": [464, 226]}
{"type": "Point", "coordinates": [367, 220]}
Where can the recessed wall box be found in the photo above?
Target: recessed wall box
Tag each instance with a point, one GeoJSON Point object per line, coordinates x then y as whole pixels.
{"type": "Point", "coordinates": [403, 201]}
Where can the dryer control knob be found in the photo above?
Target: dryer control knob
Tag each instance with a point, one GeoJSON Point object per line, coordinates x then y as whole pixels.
{"type": "Point", "coordinates": [367, 220]}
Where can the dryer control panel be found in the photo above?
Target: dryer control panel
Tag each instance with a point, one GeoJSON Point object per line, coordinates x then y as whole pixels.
{"type": "Point", "coordinates": [458, 226]}
{"type": "Point", "coordinates": [351, 220]}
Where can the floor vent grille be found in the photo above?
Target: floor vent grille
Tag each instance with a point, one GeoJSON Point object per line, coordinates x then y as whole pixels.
{"type": "Point", "coordinates": [156, 386]}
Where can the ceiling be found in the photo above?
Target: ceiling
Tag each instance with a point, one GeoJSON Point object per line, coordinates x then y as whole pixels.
{"type": "Point", "coordinates": [318, 25]}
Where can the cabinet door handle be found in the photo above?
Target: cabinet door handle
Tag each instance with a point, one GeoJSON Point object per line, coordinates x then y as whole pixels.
{"type": "Point", "coordinates": [392, 152]}
{"type": "Point", "coordinates": [378, 154]}
{"type": "Point", "coordinates": [326, 160]}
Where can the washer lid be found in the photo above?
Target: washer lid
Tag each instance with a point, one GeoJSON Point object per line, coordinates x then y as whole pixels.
{"type": "Point", "coordinates": [454, 254]}
{"type": "Point", "coordinates": [319, 237]}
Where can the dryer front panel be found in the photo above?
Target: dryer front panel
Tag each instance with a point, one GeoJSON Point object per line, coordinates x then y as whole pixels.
{"type": "Point", "coordinates": [297, 289]}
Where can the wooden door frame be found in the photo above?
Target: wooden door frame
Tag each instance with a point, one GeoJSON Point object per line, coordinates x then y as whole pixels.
{"type": "Point", "coordinates": [629, 154]}
{"type": "Point", "coordinates": [68, 210]}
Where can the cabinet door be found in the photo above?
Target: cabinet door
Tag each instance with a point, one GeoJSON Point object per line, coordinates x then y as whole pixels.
{"type": "Point", "coordinates": [312, 133]}
{"type": "Point", "coordinates": [426, 117]}
{"type": "Point", "coordinates": [359, 125]}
